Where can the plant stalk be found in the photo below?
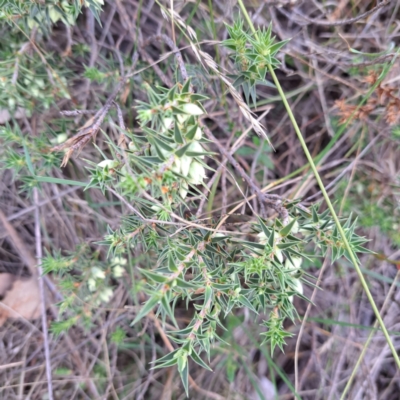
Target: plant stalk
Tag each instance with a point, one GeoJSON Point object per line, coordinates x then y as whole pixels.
{"type": "Point", "coordinates": [327, 199]}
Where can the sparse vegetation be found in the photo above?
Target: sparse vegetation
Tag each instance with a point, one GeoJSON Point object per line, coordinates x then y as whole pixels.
{"type": "Point", "coordinates": [199, 190]}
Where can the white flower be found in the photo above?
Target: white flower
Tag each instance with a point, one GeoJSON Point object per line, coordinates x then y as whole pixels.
{"type": "Point", "coordinates": [61, 138]}
{"type": "Point", "coordinates": [183, 190]}
{"type": "Point", "coordinates": [262, 238]}
{"type": "Point", "coordinates": [11, 103]}
{"type": "Point", "coordinates": [196, 146]}
{"type": "Point", "coordinates": [167, 122]}
{"type": "Point", "coordinates": [176, 166]}
{"type": "Point", "coordinates": [279, 254]}
{"type": "Point", "coordinates": [199, 134]}
{"type": "Point", "coordinates": [106, 295]}
{"type": "Point", "coordinates": [54, 14]}
{"type": "Point", "coordinates": [92, 284]}
{"type": "Point", "coordinates": [192, 109]}
{"type": "Point", "coordinates": [99, 2]}
{"type": "Point", "coordinates": [196, 173]}
{"type": "Point", "coordinates": [297, 287]}
{"type": "Point", "coordinates": [108, 163]}
{"type": "Point", "coordinates": [97, 273]}
{"type": "Point", "coordinates": [117, 271]}
{"type": "Point", "coordinates": [296, 261]}
{"type": "Point", "coordinates": [185, 165]}
{"type": "Point", "coordinates": [119, 261]}
{"type": "Point", "coordinates": [295, 227]}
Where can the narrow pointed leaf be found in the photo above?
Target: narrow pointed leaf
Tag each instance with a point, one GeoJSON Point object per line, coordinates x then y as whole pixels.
{"type": "Point", "coordinates": [148, 306]}
{"type": "Point", "coordinates": [182, 151]}
{"type": "Point", "coordinates": [196, 358]}
{"type": "Point", "coordinates": [177, 134]}
{"type": "Point", "coordinates": [286, 230]}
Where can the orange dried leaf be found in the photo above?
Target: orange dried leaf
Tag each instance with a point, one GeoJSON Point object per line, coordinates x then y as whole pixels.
{"type": "Point", "coordinates": [22, 300]}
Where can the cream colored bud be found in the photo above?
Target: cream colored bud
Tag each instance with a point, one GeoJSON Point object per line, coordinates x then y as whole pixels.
{"type": "Point", "coordinates": [11, 103]}
{"type": "Point", "coordinates": [61, 138]}
{"type": "Point", "coordinates": [97, 273]}
{"type": "Point", "coordinates": [117, 271]}
{"type": "Point", "coordinates": [197, 147]}
{"type": "Point", "coordinates": [262, 238]}
{"type": "Point", "coordinates": [296, 261]}
{"type": "Point", "coordinates": [197, 173]}
{"type": "Point", "coordinates": [167, 122]}
{"type": "Point", "coordinates": [192, 109]}
{"type": "Point", "coordinates": [107, 163]}
{"type": "Point", "coordinates": [298, 286]}
{"type": "Point", "coordinates": [295, 228]}
{"type": "Point", "coordinates": [279, 254]}
{"type": "Point", "coordinates": [99, 2]}
{"type": "Point", "coordinates": [119, 261]}
{"type": "Point", "coordinates": [199, 134]}
{"type": "Point", "coordinates": [54, 14]}
{"type": "Point", "coordinates": [185, 165]}
{"type": "Point", "coordinates": [106, 295]}
{"type": "Point", "coordinates": [176, 166]}
{"type": "Point", "coordinates": [183, 190]}
{"type": "Point", "coordinates": [92, 284]}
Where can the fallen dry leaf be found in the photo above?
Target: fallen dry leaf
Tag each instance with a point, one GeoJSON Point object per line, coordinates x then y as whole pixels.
{"type": "Point", "coordinates": [6, 282]}
{"type": "Point", "coordinates": [20, 300]}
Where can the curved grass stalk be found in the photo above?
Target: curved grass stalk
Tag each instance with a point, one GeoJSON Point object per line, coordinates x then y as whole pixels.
{"type": "Point", "coordinates": [327, 199]}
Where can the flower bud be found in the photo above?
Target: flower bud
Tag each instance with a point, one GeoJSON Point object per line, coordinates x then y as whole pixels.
{"type": "Point", "coordinates": [262, 238]}
{"type": "Point", "coordinates": [108, 163]}
{"type": "Point", "coordinates": [185, 165]}
{"type": "Point", "coordinates": [54, 14]}
{"type": "Point", "coordinates": [279, 255]}
{"type": "Point", "coordinates": [167, 122]}
{"type": "Point", "coordinates": [97, 273]}
{"type": "Point", "coordinates": [199, 134]}
{"type": "Point", "coordinates": [176, 166]}
{"type": "Point", "coordinates": [61, 138]}
{"type": "Point", "coordinates": [117, 271]}
{"type": "Point", "coordinates": [196, 173]}
{"type": "Point", "coordinates": [197, 147]}
{"type": "Point", "coordinates": [183, 190]}
{"type": "Point", "coordinates": [192, 109]}
{"type": "Point", "coordinates": [106, 295]}
{"type": "Point", "coordinates": [92, 284]}
{"type": "Point", "coordinates": [296, 261]}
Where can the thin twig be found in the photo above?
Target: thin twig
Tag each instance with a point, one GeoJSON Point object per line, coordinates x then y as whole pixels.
{"type": "Point", "coordinates": [39, 255]}
{"type": "Point", "coordinates": [41, 203]}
